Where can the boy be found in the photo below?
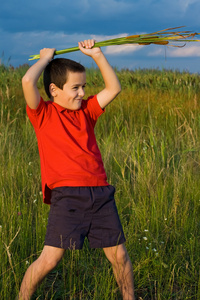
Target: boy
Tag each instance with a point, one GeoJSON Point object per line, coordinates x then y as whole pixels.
{"type": "Point", "coordinates": [73, 176]}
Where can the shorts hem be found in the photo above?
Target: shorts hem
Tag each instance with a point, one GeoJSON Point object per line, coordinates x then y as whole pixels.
{"type": "Point", "coordinates": [107, 245]}
{"type": "Point", "coordinates": [70, 247]}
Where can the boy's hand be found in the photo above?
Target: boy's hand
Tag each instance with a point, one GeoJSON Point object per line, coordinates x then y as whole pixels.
{"type": "Point", "coordinates": [47, 53]}
{"type": "Point", "coordinates": [86, 47]}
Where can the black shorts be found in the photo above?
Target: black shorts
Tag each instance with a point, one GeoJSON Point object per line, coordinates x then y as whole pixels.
{"type": "Point", "coordinates": [79, 212]}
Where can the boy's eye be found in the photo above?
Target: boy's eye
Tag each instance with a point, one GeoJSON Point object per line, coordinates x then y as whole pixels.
{"type": "Point", "coordinates": [76, 87]}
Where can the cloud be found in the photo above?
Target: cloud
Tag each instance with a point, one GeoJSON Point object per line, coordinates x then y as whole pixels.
{"type": "Point", "coordinates": [122, 49]}
{"type": "Point", "coordinates": [186, 4]}
{"type": "Point", "coordinates": [28, 26]}
{"type": "Point", "coordinates": [68, 16]}
{"type": "Point", "coordinates": [19, 46]}
{"type": "Point", "coordinates": [157, 51]}
{"type": "Point", "coordinates": [97, 17]}
{"type": "Point", "coordinates": [186, 51]}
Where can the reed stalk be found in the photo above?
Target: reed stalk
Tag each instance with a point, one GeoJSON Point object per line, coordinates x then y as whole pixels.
{"type": "Point", "coordinates": [164, 37]}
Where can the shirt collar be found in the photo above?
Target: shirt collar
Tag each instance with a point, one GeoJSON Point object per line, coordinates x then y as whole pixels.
{"type": "Point", "coordinates": [59, 107]}
{"type": "Point", "coordinates": [62, 109]}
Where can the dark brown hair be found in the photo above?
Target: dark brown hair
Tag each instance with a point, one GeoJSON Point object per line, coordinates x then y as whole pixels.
{"type": "Point", "coordinates": [57, 72]}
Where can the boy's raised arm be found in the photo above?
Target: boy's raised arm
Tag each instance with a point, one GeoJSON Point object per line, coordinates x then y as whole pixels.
{"type": "Point", "coordinates": [112, 85]}
{"type": "Point", "coordinates": [30, 79]}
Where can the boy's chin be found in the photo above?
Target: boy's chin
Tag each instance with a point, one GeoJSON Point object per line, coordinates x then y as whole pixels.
{"type": "Point", "coordinates": [75, 107]}
{"type": "Point", "coordinates": [78, 105]}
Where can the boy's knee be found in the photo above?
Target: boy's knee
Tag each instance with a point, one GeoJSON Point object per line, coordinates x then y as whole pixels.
{"type": "Point", "coordinates": [51, 264]}
{"type": "Point", "coordinates": [117, 255]}
{"type": "Point", "coordinates": [50, 259]}
{"type": "Point", "coordinates": [46, 264]}
{"type": "Point", "coordinates": [122, 255]}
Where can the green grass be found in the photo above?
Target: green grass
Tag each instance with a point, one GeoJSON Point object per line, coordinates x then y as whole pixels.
{"type": "Point", "coordinates": [149, 139]}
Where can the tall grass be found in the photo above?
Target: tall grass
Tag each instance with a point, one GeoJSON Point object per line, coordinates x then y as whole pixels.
{"type": "Point", "coordinates": [149, 139]}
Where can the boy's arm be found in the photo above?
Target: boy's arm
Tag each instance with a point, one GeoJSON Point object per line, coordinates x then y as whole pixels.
{"type": "Point", "coordinates": [30, 79]}
{"type": "Point", "coordinates": [112, 85]}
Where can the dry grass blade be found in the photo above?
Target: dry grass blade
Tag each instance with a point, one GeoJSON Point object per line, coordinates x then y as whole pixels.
{"type": "Point", "coordinates": [162, 37]}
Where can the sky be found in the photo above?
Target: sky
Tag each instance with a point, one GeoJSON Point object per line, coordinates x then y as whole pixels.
{"type": "Point", "coordinates": [28, 26]}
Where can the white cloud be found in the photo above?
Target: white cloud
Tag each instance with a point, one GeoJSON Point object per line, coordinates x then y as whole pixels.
{"type": "Point", "coordinates": [186, 51]}
{"type": "Point", "coordinates": [18, 47]}
{"type": "Point", "coordinates": [156, 52]}
{"type": "Point", "coordinates": [102, 37]}
{"type": "Point", "coordinates": [122, 49]}
{"type": "Point", "coordinates": [184, 4]}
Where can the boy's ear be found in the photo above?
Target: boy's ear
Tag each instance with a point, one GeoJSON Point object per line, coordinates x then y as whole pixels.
{"type": "Point", "coordinates": [53, 89]}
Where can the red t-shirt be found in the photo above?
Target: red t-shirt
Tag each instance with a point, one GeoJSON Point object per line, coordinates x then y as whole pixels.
{"type": "Point", "coordinates": [69, 155]}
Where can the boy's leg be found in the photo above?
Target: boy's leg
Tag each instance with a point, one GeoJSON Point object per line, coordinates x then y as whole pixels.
{"type": "Point", "coordinates": [122, 268]}
{"type": "Point", "coordinates": [46, 262]}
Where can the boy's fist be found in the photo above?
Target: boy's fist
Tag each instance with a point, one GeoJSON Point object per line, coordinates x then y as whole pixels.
{"type": "Point", "coordinates": [86, 47]}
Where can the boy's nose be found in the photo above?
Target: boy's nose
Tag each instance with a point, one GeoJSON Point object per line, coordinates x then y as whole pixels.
{"type": "Point", "coordinates": [81, 92]}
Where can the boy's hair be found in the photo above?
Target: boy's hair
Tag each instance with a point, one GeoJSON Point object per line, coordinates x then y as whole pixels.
{"type": "Point", "coordinates": [57, 72]}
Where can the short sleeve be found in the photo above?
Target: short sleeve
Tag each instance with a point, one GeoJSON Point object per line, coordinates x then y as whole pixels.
{"type": "Point", "coordinates": [39, 115]}
{"type": "Point", "coordinates": [91, 106]}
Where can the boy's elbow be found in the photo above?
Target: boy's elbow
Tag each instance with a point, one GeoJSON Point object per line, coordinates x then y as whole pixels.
{"type": "Point", "coordinates": [26, 80]}
{"type": "Point", "coordinates": [118, 89]}
{"type": "Point", "coordinates": [115, 92]}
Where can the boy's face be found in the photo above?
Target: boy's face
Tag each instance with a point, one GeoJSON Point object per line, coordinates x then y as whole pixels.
{"type": "Point", "coordinates": [73, 91]}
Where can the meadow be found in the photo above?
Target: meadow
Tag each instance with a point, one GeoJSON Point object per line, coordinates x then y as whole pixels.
{"type": "Point", "coordinates": [149, 139]}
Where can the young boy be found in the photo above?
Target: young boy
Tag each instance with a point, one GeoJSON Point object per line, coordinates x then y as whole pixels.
{"type": "Point", "coordinates": [73, 176]}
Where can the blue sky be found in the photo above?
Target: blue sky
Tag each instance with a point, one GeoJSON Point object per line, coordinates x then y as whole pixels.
{"type": "Point", "coordinates": [28, 26]}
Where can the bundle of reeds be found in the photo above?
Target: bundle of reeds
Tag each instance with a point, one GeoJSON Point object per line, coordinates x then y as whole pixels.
{"type": "Point", "coordinates": [169, 36]}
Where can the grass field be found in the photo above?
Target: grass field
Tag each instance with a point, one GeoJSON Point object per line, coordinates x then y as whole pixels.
{"type": "Point", "coordinates": [149, 139]}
